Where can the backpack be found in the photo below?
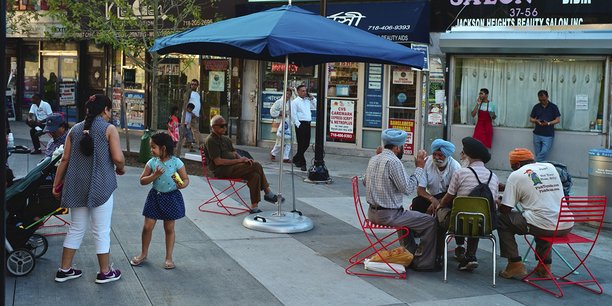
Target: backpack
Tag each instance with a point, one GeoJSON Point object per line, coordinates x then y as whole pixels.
{"type": "Point", "coordinates": [566, 178]}
{"type": "Point", "coordinates": [482, 190]}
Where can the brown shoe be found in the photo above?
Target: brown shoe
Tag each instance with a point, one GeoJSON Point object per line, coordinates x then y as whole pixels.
{"type": "Point", "coordinates": [272, 157]}
{"type": "Point", "coordinates": [514, 269]}
{"type": "Point", "coordinates": [541, 272]}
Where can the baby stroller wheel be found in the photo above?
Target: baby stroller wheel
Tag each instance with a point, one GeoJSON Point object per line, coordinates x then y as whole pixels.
{"type": "Point", "coordinates": [37, 245]}
{"type": "Point", "coordinates": [20, 262]}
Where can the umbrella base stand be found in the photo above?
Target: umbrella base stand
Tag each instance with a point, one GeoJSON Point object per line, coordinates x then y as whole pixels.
{"type": "Point", "coordinates": [318, 173]}
{"type": "Point", "coordinates": [273, 222]}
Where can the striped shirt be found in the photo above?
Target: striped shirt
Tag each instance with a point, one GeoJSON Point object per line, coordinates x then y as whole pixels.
{"type": "Point", "coordinates": [464, 181]}
{"type": "Point", "coordinates": [387, 180]}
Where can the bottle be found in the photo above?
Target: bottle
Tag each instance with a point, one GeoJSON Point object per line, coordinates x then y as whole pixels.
{"type": "Point", "coordinates": [599, 124]}
{"type": "Point", "coordinates": [11, 141]}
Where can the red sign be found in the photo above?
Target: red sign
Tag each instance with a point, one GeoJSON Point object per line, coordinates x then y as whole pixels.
{"type": "Point", "coordinates": [218, 65]}
{"type": "Point", "coordinates": [408, 126]}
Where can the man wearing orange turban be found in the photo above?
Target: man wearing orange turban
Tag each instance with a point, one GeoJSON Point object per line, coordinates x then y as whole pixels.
{"type": "Point", "coordinates": [538, 188]}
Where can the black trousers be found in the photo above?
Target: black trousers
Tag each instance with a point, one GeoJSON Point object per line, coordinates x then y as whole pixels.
{"type": "Point", "coordinates": [34, 134]}
{"type": "Point", "coordinates": [303, 141]}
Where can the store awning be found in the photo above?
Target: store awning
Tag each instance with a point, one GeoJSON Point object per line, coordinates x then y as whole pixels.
{"type": "Point", "coordinates": [586, 40]}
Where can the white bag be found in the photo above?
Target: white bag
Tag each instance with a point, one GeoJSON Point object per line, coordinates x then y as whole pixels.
{"type": "Point", "coordinates": [383, 267]}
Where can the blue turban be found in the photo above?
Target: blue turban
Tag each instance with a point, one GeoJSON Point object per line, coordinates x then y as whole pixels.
{"type": "Point", "coordinates": [447, 148]}
{"type": "Point", "coordinates": [394, 136]}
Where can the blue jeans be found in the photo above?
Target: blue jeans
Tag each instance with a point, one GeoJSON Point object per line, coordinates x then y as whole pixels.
{"type": "Point", "coordinates": [541, 146]}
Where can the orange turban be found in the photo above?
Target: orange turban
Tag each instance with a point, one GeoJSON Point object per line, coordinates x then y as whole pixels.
{"type": "Point", "coordinates": [519, 155]}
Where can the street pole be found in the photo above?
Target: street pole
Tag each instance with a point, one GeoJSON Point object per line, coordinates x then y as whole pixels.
{"type": "Point", "coordinates": [3, 132]}
{"type": "Point", "coordinates": [318, 172]}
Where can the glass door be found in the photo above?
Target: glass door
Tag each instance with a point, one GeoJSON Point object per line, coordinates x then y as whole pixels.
{"type": "Point", "coordinates": [402, 107]}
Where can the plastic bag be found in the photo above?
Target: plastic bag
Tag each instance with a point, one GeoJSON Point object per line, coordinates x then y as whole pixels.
{"type": "Point", "coordinates": [398, 256]}
{"type": "Point", "coordinates": [383, 267]}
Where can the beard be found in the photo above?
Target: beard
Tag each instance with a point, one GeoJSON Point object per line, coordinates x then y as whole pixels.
{"type": "Point", "coordinates": [400, 154]}
{"type": "Point", "coordinates": [440, 162]}
{"type": "Point", "coordinates": [465, 163]}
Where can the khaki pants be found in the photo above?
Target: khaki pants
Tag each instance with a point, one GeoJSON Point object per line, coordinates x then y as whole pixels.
{"type": "Point", "coordinates": [252, 173]}
{"type": "Point", "coordinates": [195, 129]}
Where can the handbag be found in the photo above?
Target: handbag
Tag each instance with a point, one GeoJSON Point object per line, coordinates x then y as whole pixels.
{"type": "Point", "coordinates": [274, 127]}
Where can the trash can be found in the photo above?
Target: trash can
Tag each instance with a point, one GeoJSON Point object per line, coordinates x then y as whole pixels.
{"type": "Point", "coordinates": [600, 178]}
{"type": "Point", "coordinates": [145, 149]}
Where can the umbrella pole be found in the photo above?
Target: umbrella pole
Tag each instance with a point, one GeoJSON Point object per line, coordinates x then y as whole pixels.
{"type": "Point", "coordinates": [282, 138]}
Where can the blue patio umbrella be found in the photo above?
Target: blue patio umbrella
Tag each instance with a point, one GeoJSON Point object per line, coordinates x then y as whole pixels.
{"type": "Point", "coordinates": [272, 35]}
{"type": "Point", "coordinates": [287, 34]}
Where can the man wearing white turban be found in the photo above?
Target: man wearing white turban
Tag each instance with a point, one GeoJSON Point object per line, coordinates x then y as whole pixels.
{"type": "Point", "coordinates": [386, 181]}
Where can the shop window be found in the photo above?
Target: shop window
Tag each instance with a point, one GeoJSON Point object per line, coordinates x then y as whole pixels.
{"type": "Point", "coordinates": [575, 85]}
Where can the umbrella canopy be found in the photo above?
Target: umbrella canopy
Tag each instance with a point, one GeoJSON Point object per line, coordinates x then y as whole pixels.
{"type": "Point", "coordinates": [306, 38]}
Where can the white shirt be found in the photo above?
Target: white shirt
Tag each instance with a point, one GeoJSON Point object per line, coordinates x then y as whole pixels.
{"type": "Point", "coordinates": [464, 181]}
{"type": "Point", "coordinates": [195, 99]}
{"type": "Point", "coordinates": [300, 111]}
{"type": "Point", "coordinates": [275, 112]}
{"type": "Point", "coordinates": [538, 188]}
{"type": "Point", "coordinates": [438, 181]}
{"type": "Point", "coordinates": [41, 112]}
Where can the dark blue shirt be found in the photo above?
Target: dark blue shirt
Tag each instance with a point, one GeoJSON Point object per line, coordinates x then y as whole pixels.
{"type": "Point", "coordinates": [548, 113]}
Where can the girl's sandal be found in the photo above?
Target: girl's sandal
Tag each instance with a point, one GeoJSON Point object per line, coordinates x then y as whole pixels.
{"type": "Point", "coordinates": [135, 261]}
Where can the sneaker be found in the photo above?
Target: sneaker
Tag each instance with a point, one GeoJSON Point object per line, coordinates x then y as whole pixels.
{"type": "Point", "coordinates": [110, 276]}
{"type": "Point", "coordinates": [62, 276]}
{"type": "Point", "coordinates": [459, 253]}
{"type": "Point", "coordinates": [469, 263]}
{"type": "Point", "coordinates": [272, 199]}
{"type": "Point", "coordinates": [303, 168]}
{"type": "Point", "coordinates": [254, 211]}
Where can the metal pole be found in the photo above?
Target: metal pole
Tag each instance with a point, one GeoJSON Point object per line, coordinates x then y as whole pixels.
{"type": "Point", "coordinates": [3, 132]}
{"type": "Point", "coordinates": [319, 173]}
{"type": "Point", "coordinates": [282, 138]}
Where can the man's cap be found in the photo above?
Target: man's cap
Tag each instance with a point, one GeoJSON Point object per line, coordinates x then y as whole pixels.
{"type": "Point", "coordinates": [394, 136]}
{"type": "Point", "coordinates": [53, 122]}
{"type": "Point", "coordinates": [475, 149]}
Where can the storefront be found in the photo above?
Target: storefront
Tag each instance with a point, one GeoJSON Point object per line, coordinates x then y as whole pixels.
{"type": "Point", "coordinates": [515, 50]}
{"type": "Point", "coordinates": [361, 99]}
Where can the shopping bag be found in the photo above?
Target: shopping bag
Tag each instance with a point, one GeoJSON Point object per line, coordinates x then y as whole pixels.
{"type": "Point", "coordinates": [398, 256]}
{"type": "Point", "coordinates": [383, 267]}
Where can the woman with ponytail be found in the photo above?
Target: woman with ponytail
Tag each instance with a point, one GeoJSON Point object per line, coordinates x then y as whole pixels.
{"type": "Point", "coordinates": [85, 180]}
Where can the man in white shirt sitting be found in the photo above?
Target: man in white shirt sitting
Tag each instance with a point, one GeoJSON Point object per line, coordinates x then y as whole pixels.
{"type": "Point", "coordinates": [538, 188]}
{"type": "Point", "coordinates": [39, 111]}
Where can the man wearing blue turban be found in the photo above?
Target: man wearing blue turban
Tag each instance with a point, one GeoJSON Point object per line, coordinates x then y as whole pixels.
{"type": "Point", "coordinates": [386, 182]}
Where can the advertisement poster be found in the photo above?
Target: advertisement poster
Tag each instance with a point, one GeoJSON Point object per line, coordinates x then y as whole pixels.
{"type": "Point", "coordinates": [434, 116]}
{"type": "Point", "coordinates": [342, 119]}
{"type": "Point", "coordinates": [216, 81]}
{"type": "Point", "coordinates": [267, 100]}
{"type": "Point", "coordinates": [10, 106]}
{"type": "Point", "coordinates": [408, 126]}
{"type": "Point", "coordinates": [423, 48]}
{"type": "Point", "coordinates": [116, 110]}
{"type": "Point", "coordinates": [403, 75]}
{"type": "Point", "coordinates": [372, 115]}
{"type": "Point", "coordinates": [67, 93]}
{"type": "Point", "coordinates": [135, 109]}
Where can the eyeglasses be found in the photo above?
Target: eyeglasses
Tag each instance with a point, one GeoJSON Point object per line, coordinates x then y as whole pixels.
{"type": "Point", "coordinates": [221, 125]}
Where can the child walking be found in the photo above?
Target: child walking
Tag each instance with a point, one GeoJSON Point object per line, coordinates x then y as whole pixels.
{"type": "Point", "coordinates": [164, 201]}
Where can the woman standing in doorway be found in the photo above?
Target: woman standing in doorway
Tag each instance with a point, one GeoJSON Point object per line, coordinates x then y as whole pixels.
{"type": "Point", "coordinates": [485, 110]}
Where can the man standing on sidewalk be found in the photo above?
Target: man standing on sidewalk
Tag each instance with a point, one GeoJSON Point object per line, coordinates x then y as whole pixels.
{"type": "Point", "coordinates": [545, 115]}
{"type": "Point", "coordinates": [194, 98]}
{"type": "Point", "coordinates": [386, 182]}
{"type": "Point", "coordinates": [301, 117]}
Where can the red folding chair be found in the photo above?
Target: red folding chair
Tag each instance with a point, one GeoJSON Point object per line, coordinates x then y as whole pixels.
{"type": "Point", "coordinates": [62, 222]}
{"type": "Point", "coordinates": [576, 209]}
{"type": "Point", "coordinates": [219, 196]}
{"type": "Point", "coordinates": [376, 244]}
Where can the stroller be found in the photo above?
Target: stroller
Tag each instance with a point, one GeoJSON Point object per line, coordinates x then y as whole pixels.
{"type": "Point", "coordinates": [29, 201]}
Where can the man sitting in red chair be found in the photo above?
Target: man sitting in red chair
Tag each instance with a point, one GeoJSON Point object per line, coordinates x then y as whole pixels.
{"type": "Point", "coordinates": [386, 181]}
{"type": "Point", "coordinates": [538, 188]}
{"type": "Point", "coordinates": [224, 162]}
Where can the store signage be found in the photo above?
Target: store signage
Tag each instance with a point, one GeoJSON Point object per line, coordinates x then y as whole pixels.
{"type": "Point", "coordinates": [267, 99]}
{"type": "Point", "coordinates": [372, 112]}
{"type": "Point", "coordinates": [518, 13]}
{"type": "Point", "coordinates": [135, 109]}
{"type": "Point", "coordinates": [67, 93]}
{"type": "Point", "coordinates": [342, 120]}
{"type": "Point", "coordinates": [211, 64]}
{"type": "Point", "coordinates": [408, 126]}
{"type": "Point", "coordinates": [395, 21]}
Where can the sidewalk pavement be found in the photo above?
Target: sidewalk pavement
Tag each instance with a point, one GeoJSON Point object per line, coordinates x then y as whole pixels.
{"type": "Point", "coordinates": [220, 262]}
